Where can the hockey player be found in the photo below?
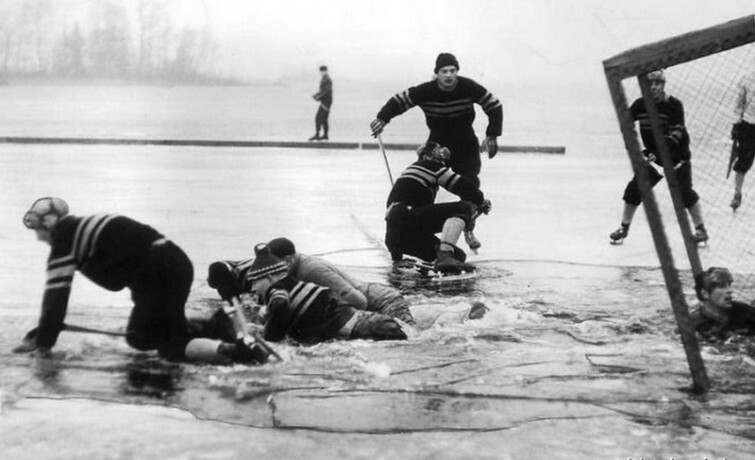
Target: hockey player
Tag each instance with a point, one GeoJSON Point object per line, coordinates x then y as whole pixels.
{"type": "Point", "coordinates": [307, 312]}
{"type": "Point", "coordinates": [114, 252]}
{"type": "Point", "coordinates": [375, 297]}
{"type": "Point", "coordinates": [448, 103]}
{"type": "Point", "coordinates": [671, 114]}
{"type": "Point", "coordinates": [413, 218]}
{"type": "Point", "coordinates": [743, 134]}
{"type": "Point", "coordinates": [717, 316]}
{"type": "Point", "coordinates": [231, 279]}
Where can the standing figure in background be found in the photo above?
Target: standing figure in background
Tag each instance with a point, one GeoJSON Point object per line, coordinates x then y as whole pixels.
{"type": "Point", "coordinates": [325, 97]}
{"type": "Point", "coordinates": [115, 252]}
{"type": "Point", "coordinates": [448, 102]}
{"type": "Point", "coordinates": [671, 114]}
{"type": "Point", "coordinates": [743, 135]}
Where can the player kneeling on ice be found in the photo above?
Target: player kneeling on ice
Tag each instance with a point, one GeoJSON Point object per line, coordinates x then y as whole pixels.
{"type": "Point", "coordinates": [413, 218]}
{"type": "Point", "coordinates": [307, 312]}
{"type": "Point", "coordinates": [114, 252]}
{"type": "Point", "coordinates": [717, 316]}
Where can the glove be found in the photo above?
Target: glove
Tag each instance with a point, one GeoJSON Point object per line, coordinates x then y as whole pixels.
{"type": "Point", "coordinates": [248, 351]}
{"type": "Point", "coordinates": [735, 127]}
{"type": "Point", "coordinates": [377, 126]}
{"type": "Point", "coordinates": [485, 206]}
{"type": "Point", "coordinates": [490, 145]}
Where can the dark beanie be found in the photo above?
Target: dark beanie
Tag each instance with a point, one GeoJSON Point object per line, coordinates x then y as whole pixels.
{"type": "Point", "coordinates": [281, 247]}
{"type": "Point", "coordinates": [265, 263]}
{"type": "Point", "coordinates": [445, 59]}
{"type": "Point", "coordinates": [323, 67]}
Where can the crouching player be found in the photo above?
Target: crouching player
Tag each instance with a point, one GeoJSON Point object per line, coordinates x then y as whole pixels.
{"type": "Point", "coordinates": [115, 252]}
{"type": "Point", "coordinates": [413, 218]}
{"type": "Point", "coordinates": [307, 312]}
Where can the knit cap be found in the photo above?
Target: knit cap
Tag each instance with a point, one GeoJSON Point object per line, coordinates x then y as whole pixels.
{"type": "Point", "coordinates": [265, 263]}
{"type": "Point", "coordinates": [445, 59]}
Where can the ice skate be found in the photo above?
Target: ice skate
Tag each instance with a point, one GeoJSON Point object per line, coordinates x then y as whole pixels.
{"type": "Point", "coordinates": [736, 201]}
{"type": "Point", "coordinates": [316, 137]}
{"type": "Point", "coordinates": [701, 236]}
{"type": "Point", "coordinates": [618, 236]}
{"type": "Point", "coordinates": [446, 263]}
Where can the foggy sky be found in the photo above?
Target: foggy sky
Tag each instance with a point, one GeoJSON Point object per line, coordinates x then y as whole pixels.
{"type": "Point", "coordinates": [550, 41]}
{"type": "Point", "coordinates": [536, 41]}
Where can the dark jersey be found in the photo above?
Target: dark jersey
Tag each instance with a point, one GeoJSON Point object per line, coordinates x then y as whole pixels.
{"type": "Point", "coordinates": [448, 114]}
{"type": "Point", "coordinates": [739, 319]}
{"type": "Point", "coordinates": [418, 185]}
{"type": "Point", "coordinates": [325, 95]}
{"type": "Point", "coordinates": [671, 116]}
{"type": "Point", "coordinates": [108, 249]}
{"type": "Point", "coordinates": [306, 312]}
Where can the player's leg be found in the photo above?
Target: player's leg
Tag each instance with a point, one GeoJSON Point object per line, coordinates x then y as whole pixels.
{"type": "Point", "coordinates": [632, 200]}
{"type": "Point", "coordinates": [744, 161]}
{"type": "Point", "coordinates": [388, 301]}
{"type": "Point", "coordinates": [376, 326]}
{"type": "Point", "coordinates": [691, 201]}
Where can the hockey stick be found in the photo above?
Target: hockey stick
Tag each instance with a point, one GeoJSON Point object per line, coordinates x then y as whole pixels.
{"type": "Point", "coordinates": [732, 156]}
{"type": "Point", "coordinates": [385, 157]}
{"type": "Point", "coordinates": [236, 314]}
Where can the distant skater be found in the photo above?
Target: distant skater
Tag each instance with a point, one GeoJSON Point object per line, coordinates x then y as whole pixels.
{"type": "Point", "coordinates": [671, 114]}
{"type": "Point", "coordinates": [743, 135]}
{"type": "Point", "coordinates": [116, 252]}
{"type": "Point", "coordinates": [325, 97]}
{"type": "Point", "coordinates": [448, 103]}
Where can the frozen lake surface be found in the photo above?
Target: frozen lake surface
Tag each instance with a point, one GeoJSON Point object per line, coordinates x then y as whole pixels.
{"type": "Point", "coordinates": [577, 358]}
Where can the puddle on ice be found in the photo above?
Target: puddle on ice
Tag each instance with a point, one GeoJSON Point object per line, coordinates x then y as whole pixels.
{"type": "Point", "coordinates": [572, 360]}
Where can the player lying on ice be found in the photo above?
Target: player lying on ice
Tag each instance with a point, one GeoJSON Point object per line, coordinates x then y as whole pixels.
{"type": "Point", "coordinates": [114, 252]}
{"type": "Point", "coordinates": [413, 218]}
{"type": "Point", "coordinates": [307, 312]}
{"type": "Point", "coordinates": [231, 279]}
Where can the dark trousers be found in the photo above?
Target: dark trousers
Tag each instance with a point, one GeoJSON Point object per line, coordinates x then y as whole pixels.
{"type": "Point", "coordinates": [321, 120]}
{"type": "Point", "coordinates": [159, 291]}
{"type": "Point", "coordinates": [746, 152]}
{"type": "Point", "coordinates": [412, 232]}
{"type": "Point", "coordinates": [683, 176]}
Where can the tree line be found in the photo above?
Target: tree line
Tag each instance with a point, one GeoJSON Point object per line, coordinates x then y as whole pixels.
{"type": "Point", "coordinates": [108, 40]}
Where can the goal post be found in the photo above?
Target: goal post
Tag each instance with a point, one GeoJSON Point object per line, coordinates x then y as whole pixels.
{"type": "Point", "coordinates": [707, 65]}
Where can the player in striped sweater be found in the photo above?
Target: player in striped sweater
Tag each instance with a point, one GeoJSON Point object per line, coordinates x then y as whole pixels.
{"type": "Point", "coordinates": [413, 218]}
{"type": "Point", "coordinates": [448, 103]}
{"type": "Point", "coordinates": [231, 280]}
{"type": "Point", "coordinates": [671, 115]}
{"type": "Point", "coordinates": [116, 252]}
{"type": "Point", "coordinates": [308, 312]}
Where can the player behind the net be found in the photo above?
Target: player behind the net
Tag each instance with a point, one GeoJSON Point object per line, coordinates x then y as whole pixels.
{"type": "Point", "coordinates": [671, 115]}
{"type": "Point", "coordinates": [413, 218]}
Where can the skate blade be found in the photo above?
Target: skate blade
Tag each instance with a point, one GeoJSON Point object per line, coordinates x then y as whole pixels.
{"type": "Point", "coordinates": [617, 242]}
{"type": "Point", "coordinates": [453, 277]}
